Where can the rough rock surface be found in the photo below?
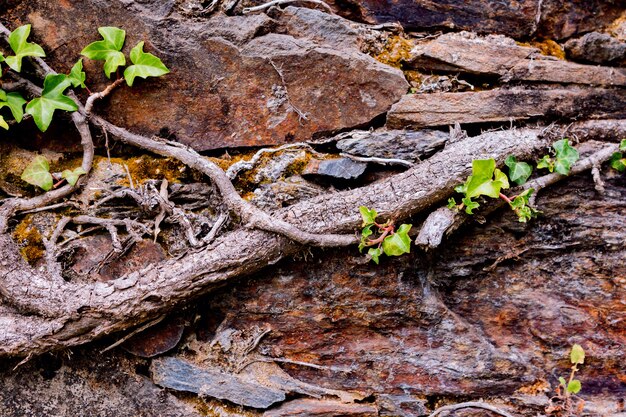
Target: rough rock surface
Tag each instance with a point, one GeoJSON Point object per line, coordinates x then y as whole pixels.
{"type": "Point", "coordinates": [233, 82]}
{"type": "Point", "coordinates": [399, 144]}
{"type": "Point", "coordinates": [549, 18]}
{"type": "Point", "coordinates": [598, 48]}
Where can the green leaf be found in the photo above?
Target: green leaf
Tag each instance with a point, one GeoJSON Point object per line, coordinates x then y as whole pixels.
{"type": "Point", "coordinates": [77, 76]}
{"type": "Point", "coordinates": [369, 216]}
{"type": "Point", "coordinates": [562, 381]}
{"type": "Point", "coordinates": [574, 386]}
{"type": "Point", "coordinates": [1, 60]}
{"type": "Point", "coordinates": [145, 65]}
{"type": "Point", "coordinates": [108, 49]}
{"type": "Point", "coordinates": [618, 162]}
{"type": "Point", "coordinates": [519, 172]}
{"type": "Point", "coordinates": [622, 145]}
{"type": "Point", "coordinates": [399, 243]}
{"type": "Point", "coordinates": [38, 173]}
{"type": "Point", "coordinates": [15, 102]}
{"type": "Point", "coordinates": [452, 203]}
{"type": "Point", "coordinates": [72, 176]}
{"type": "Point", "coordinates": [22, 48]}
{"type": "Point", "coordinates": [375, 253]}
{"type": "Point", "coordinates": [469, 205]}
{"type": "Point", "coordinates": [481, 182]}
{"type": "Point", "coordinates": [3, 123]}
{"type": "Point", "coordinates": [566, 156]}
{"type": "Point", "coordinates": [52, 98]}
{"type": "Point", "coordinates": [521, 208]}
{"type": "Point", "coordinates": [546, 162]}
{"type": "Point", "coordinates": [577, 356]}
{"type": "Point", "coordinates": [3, 95]}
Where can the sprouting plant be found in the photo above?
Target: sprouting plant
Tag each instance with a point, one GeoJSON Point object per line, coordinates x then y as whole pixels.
{"type": "Point", "coordinates": [618, 159]}
{"type": "Point", "coordinates": [487, 180]}
{"type": "Point", "coordinates": [382, 238]}
{"type": "Point", "coordinates": [53, 96]}
{"type": "Point", "coordinates": [565, 401]}
{"type": "Point", "coordinates": [564, 156]}
{"type": "Point", "coordinates": [38, 173]}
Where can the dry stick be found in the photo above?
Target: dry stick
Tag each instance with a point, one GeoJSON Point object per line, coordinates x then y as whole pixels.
{"type": "Point", "coordinates": [269, 4]}
{"type": "Point", "coordinates": [134, 332]}
{"type": "Point", "coordinates": [376, 160]}
{"type": "Point", "coordinates": [97, 96]}
{"type": "Point", "coordinates": [470, 404]}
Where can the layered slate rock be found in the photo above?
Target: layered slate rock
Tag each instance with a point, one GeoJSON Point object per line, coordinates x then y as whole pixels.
{"type": "Point", "coordinates": [233, 82]}
{"type": "Point", "coordinates": [501, 105]}
{"type": "Point", "coordinates": [547, 18]}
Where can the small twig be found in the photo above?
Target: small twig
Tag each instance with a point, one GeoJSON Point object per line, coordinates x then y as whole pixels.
{"type": "Point", "coordinates": [97, 96]}
{"type": "Point", "coordinates": [106, 146]}
{"type": "Point", "coordinates": [134, 332]}
{"type": "Point", "coordinates": [52, 207]}
{"type": "Point", "coordinates": [470, 404]}
{"type": "Point", "coordinates": [269, 4]}
{"type": "Point", "coordinates": [219, 223]}
{"type": "Point", "coordinates": [130, 177]}
{"type": "Point", "coordinates": [301, 115]}
{"type": "Point", "coordinates": [597, 179]}
{"type": "Point", "coordinates": [376, 160]}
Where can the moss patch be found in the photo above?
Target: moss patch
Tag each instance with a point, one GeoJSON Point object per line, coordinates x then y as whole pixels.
{"type": "Point", "coordinates": [396, 51]}
{"type": "Point", "coordinates": [29, 240]}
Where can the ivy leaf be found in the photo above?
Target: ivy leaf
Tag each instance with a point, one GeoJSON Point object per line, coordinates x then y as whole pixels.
{"type": "Point", "coordinates": [22, 48]}
{"type": "Point", "coordinates": [77, 76]}
{"type": "Point", "coordinates": [481, 182]}
{"type": "Point", "coordinates": [546, 162]}
{"type": "Point", "coordinates": [108, 49]}
{"type": "Point", "coordinates": [521, 207]}
{"type": "Point", "coordinates": [566, 156]}
{"type": "Point", "coordinates": [1, 60]}
{"type": "Point", "coordinates": [38, 173]}
{"type": "Point", "coordinates": [618, 162]}
{"type": "Point", "coordinates": [399, 243]}
{"type": "Point", "coordinates": [375, 253]}
{"type": "Point", "coordinates": [15, 102]}
{"type": "Point", "coordinates": [622, 145]}
{"type": "Point", "coordinates": [145, 65]}
{"type": "Point", "coordinates": [367, 232]}
{"type": "Point", "coordinates": [519, 172]}
{"type": "Point", "coordinates": [52, 98]}
{"type": "Point", "coordinates": [574, 386]}
{"type": "Point", "coordinates": [470, 205]}
{"type": "Point", "coordinates": [72, 176]}
{"type": "Point", "coordinates": [3, 123]}
{"type": "Point", "coordinates": [369, 216]}
{"type": "Point", "coordinates": [577, 356]}
{"type": "Point", "coordinates": [452, 203]}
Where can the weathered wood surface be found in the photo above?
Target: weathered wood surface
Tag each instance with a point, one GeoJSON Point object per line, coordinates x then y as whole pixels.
{"type": "Point", "coordinates": [501, 105]}
{"type": "Point", "coordinates": [500, 56]}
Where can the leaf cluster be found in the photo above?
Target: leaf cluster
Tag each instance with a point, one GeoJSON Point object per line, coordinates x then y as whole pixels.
{"type": "Point", "coordinates": [38, 173]}
{"type": "Point", "coordinates": [109, 49]}
{"type": "Point", "coordinates": [383, 238]}
{"type": "Point", "coordinates": [563, 157]}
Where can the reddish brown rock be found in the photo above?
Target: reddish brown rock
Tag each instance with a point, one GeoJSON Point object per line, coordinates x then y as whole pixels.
{"type": "Point", "coordinates": [232, 83]}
